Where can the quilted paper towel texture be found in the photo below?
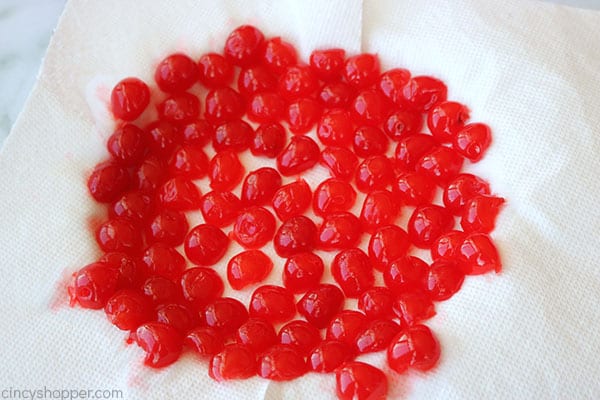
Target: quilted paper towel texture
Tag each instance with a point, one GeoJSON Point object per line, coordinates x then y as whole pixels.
{"type": "Point", "coordinates": [527, 69]}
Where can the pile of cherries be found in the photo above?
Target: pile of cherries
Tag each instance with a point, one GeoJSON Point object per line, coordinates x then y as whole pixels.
{"type": "Point", "coordinates": [365, 126]}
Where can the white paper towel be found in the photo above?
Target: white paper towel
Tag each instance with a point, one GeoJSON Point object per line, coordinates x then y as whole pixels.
{"type": "Point", "coordinates": [527, 69]}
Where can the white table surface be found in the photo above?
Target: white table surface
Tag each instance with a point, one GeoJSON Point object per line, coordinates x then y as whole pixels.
{"type": "Point", "coordinates": [25, 30]}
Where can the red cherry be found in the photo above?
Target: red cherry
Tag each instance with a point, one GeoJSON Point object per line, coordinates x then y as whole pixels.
{"type": "Point", "coordinates": [268, 140]}
{"type": "Point", "coordinates": [422, 93]}
{"type": "Point", "coordinates": [302, 115]}
{"type": "Point", "coordinates": [300, 154]}
{"type": "Point", "coordinates": [380, 208]}
{"type": "Point", "coordinates": [415, 189]}
{"type": "Point", "coordinates": [352, 270]}
{"type": "Point", "coordinates": [336, 95]}
{"type": "Point", "coordinates": [129, 98]}
{"type": "Point", "coordinates": [329, 355]}
{"type": "Point", "coordinates": [225, 315]}
{"type": "Point", "coordinates": [359, 381]}
{"type": "Point", "coordinates": [376, 302]}
{"type": "Point", "coordinates": [205, 244]}
{"type": "Point", "coordinates": [273, 303]}
{"type": "Point", "coordinates": [403, 123]}
{"type": "Point", "coordinates": [346, 326]}
{"type": "Point", "coordinates": [340, 161]}
{"type": "Point", "coordinates": [296, 82]}
{"type": "Point", "coordinates": [162, 344]}
{"type": "Point", "coordinates": [107, 182]}
{"type": "Point", "coordinates": [462, 189]}
{"type": "Point", "coordinates": [220, 208]}
{"type": "Point", "coordinates": [255, 80]}
{"type": "Point", "coordinates": [444, 280]}
{"type": "Point", "coordinates": [118, 235]}
{"type": "Point", "coordinates": [163, 137]}
{"type": "Point", "coordinates": [150, 175]}
{"type": "Point", "coordinates": [278, 55]}
{"type": "Point", "coordinates": [163, 260]}
{"type": "Point", "coordinates": [446, 119]}
{"type": "Point", "coordinates": [244, 45]}
{"type": "Point", "coordinates": [374, 173]}
{"type": "Point", "coordinates": [127, 145]}
{"type": "Point", "coordinates": [235, 361]}
{"type": "Point", "coordinates": [225, 171]}
{"type": "Point", "coordinates": [391, 84]}
{"type": "Point", "coordinates": [214, 71]}
{"type": "Point", "coordinates": [441, 164]}
{"type": "Point", "coordinates": [405, 274]}
{"type": "Point", "coordinates": [416, 348]}
{"type": "Point", "coordinates": [362, 70]}
{"type": "Point", "coordinates": [413, 307]}
{"type": "Point", "coordinates": [223, 105]}
{"type": "Point", "coordinates": [478, 255]}
{"type": "Point", "coordinates": [321, 304]}
{"type": "Point", "coordinates": [93, 285]}
{"type": "Point", "coordinates": [179, 108]}
{"type": "Point", "coordinates": [233, 135]}
{"type": "Point", "coordinates": [369, 141]}
{"type": "Point", "coordinates": [335, 128]}
{"type": "Point", "coordinates": [260, 186]}
{"type": "Point", "coordinates": [247, 268]}
{"type": "Point", "coordinates": [130, 272]}
{"type": "Point", "coordinates": [427, 223]}
{"type": "Point", "coordinates": [176, 315]}
{"type": "Point", "coordinates": [472, 141]}
{"type": "Point", "coordinates": [411, 149]}
{"type": "Point", "coordinates": [266, 107]}
{"type": "Point", "coordinates": [179, 194]}
{"type": "Point", "coordinates": [447, 245]}
{"type": "Point", "coordinates": [296, 235]}
{"type": "Point", "coordinates": [292, 199]}
{"type": "Point", "coordinates": [176, 73]}
{"type": "Point", "coordinates": [190, 162]}
{"type": "Point", "coordinates": [480, 212]}
{"type": "Point", "coordinates": [333, 195]}
{"type": "Point", "coordinates": [254, 227]}
{"type": "Point", "coordinates": [340, 230]}
{"type": "Point", "coordinates": [386, 245]}
{"type": "Point", "coordinates": [133, 206]}
{"type": "Point", "coordinates": [256, 333]}
{"type": "Point", "coordinates": [300, 335]}
{"type": "Point", "coordinates": [204, 341]}
{"type": "Point", "coordinates": [302, 271]}
{"type": "Point", "coordinates": [370, 107]}
{"type": "Point", "coordinates": [377, 336]}
{"type": "Point", "coordinates": [201, 286]}
{"type": "Point", "coordinates": [327, 64]}
{"type": "Point", "coordinates": [197, 133]}
{"type": "Point", "coordinates": [161, 290]}
{"type": "Point", "coordinates": [281, 363]}
{"type": "Point", "coordinates": [128, 309]}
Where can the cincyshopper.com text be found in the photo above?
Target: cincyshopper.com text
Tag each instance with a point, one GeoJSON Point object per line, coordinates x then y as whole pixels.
{"type": "Point", "coordinates": [62, 394]}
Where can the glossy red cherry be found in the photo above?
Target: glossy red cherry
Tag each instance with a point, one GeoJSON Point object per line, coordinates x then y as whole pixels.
{"type": "Point", "coordinates": [225, 171]}
{"type": "Point", "coordinates": [329, 355]}
{"type": "Point", "coordinates": [255, 80]}
{"type": "Point", "coordinates": [176, 315]}
{"type": "Point", "coordinates": [163, 260]}
{"type": "Point", "coordinates": [197, 133]}
{"type": "Point", "coordinates": [370, 108]}
{"type": "Point", "coordinates": [321, 304]}
{"type": "Point", "coordinates": [129, 98]}
{"type": "Point", "coordinates": [480, 213]}
{"type": "Point", "coordinates": [340, 230]}
{"type": "Point", "coordinates": [247, 268]}
{"type": "Point", "coordinates": [259, 186]}
{"type": "Point", "coordinates": [299, 334]}
{"type": "Point", "coordinates": [254, 227]}
{"type": "Point", "coordinates": [302, 114]}
{"type": "Point", "coordinates": [150, 175]}
{"type": "Point", "coordinates": [278, 55]}
{"type": "Point", "coordinates": [189, 162]}
{"type": "Point", "coordinates": [380, 208]}
{"type": "Point", "coordinates": [225, 315]}
{"type": "Point", "coordinates": [447, 245]}
{"type": "Point", "coordinates": [220, 208]}
{"type": "Point", "coordinates": [179, 194]}
{"type": "Point", "coordinates": [179, 108]}
{"type": "Point", "coordinates": [446, 119]}
{"type": "Point", "coordinates": [346, 326]}
{"type": "Point", "coordinates": [462, 189]}
{"type": "Point", "coordinates": [176, 73]}
{"type": "Point", "coordinates": [414, 189]}
{"type": "Point", "coordinates": [296, 82]}
{"type": "Point", "coordinates": [416, 348]}
{"type": "Point", "coordinates": [244, 45]}
{"type": "Point", "coordinates": [478, 255]}
{"type": "Point", "coordinates": [256, 333]}
{"type": "Point", "coordinates": [413, 307]}
{"type": "Point", "coordinates": [160, 290]}
{"type": "Point", "coordinates": [427, 223]}
{"type": "Point", "coordinates": [302, 271]}
{"type": "Point", "coordinates": [118, 235]}
{"type": "Point", "coordinates": [336, 95]}
{"type": "Point", "coordinates": [281, 363]}
{"type": "Point", "coordinates": [128, 309]}
{"type": "Point", "coordinates": [444, 279]}
{"type": "Point", "coordinates": [411, 149]}
{"type": "Point", "coordinates": [362, 70]}
{"type": "Point", "coordinates": [296, 235]}
{"type": "Point", "coordinates": [268, 140]}
{"type": "Point", "coordinates": [204, 341]}
{"type": "Point", "coordinates": [133, 206]}
{"type": "Point", "coordinates": [107, 182]}
{"type": "Point", "coordinates": [377, 336]}
{"type": "Point", "coordinates": [386, 245]}
{"type": "Point", "coordinates": [162, 344]}
{"type": "Point", "coordinates": [441, 164]}
{"type": "Point", "coordinates": [405, 274]}
{"type": "Point", "coordinates": [391, 84]}
{"type": "Point", "coordinates": [214, 71]}
{"type": "Point", "coordinates": [327, 64]}
{"type": "Point", "coordinates": [353, 271]}
{"type": "Point", "coordinates": [235, 361]}
{"type": "Point", "coordinates": [402, 123]}
{"type": "Point", "coordinates": [335, 128]}
{"type": "Point", "coordinates": [422, 93]}
{"type": "Point", "coordinates": [130, 272]}
{"type": "Point", "coordinates": [93, 285]}
{"type": "Point", "coordinates": [369, 141]}
{"type": "Point", "coordinates": [201, 285]}
{"type": "Point", "coordinates": [374, 173]}
{"type": "Point", "coordinates": [376, 302]}
{"type": "Point", "coordinates": [333, 195]}
{"type": "Point", "coordinates": [127, 145]}
{"type": "Point", "coordinates": [265, 107]}
{"type": "Point", "coordinates": [300, 154]}
{"type": "Point", "coordinates": [234, 135]}
{"type": "Point", "coordinates": [223, 105]}
{"type": "Point", "coordinates": [472, 141]}
{"type": "Point", "coordinates": [205, 244]}
{"type": "Point", "coordinates": [273, 303]}
{"type": "Point", "coordinates": [360, 381]}
{"type": "Point", "coordinates": [162, 137]}
{"type": "Point", "coordinates": [340, 161]}
{"type": "Point", "coordinates": [292, 199]}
